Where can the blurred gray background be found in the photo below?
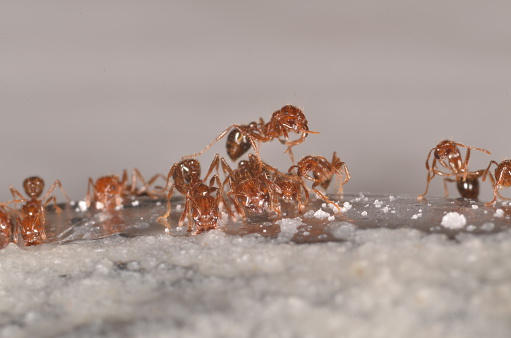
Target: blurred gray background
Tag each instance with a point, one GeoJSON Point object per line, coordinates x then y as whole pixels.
{"type": "Point", "coordinates": [89, 88]}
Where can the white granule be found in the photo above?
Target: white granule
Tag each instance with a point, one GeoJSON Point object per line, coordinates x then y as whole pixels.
{"type": "Point", "coordinates": [346, 206]}
{"type": "Point", "coordinates": [378, 204]}
{"type": "Point", "coordinates": [453, 220]}
{"type": "Point", "coordinates": [178, 207]}
{"type": "Point", "coordinates": [418, 215]}
{"type": "Point", "coordinates": [309, 214]}
{"type": "Point", "coordinates": [471, 227]}
{"type": "Point", "coordinates": [331, 218]}
{"type": "Point", "coordinates": [320, 214]}
{"type": "Point", "coordinates": [82, 206]}
{"type": "Point", "coordinates": [391, 198]}
{"type": "Point", "coordinates": [474, 206]}
{"type": "Point", "coordinates": [135, 203]}
{"type": "Point", "coordinates": [363, 213]}
{"type": "Point", "coordinates": [385, 209]}
{"type": "Point", "coordinates": [158, 203]}
{"type": "Point", "coordinates": [498, 213]}
{"type": "Point", "coordinates": [119, 207]}
{"type": "Point", "coordinates": [99, 205]}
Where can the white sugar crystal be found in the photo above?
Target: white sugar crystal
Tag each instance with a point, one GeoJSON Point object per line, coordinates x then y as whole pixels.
{"type": "Point", "coordinates": [474, 206]}
{"type": "Point", "coordinates": [385, 209]}
{"type": "Point", "coordinates": [363, 213]}
{"type": "Point", "coordinates": [391, 198]}
{"type": "Point", "coordinates": [331, 218]}
{"type": "Point", "coordinates": [471, 227]}
{"type": "Point", "coordinates": [453, 220]}
{"type": "Point", "coordinates": [309, 214]}
{"type": "Point", "coordinates": [320, 214]}
{"type": "Point", "coordinates": [99, 205]}
{"type": "Point", "coordinates": [417, 216]}
{"type": "Point", "coordinates": [135, 203]}
{"type": "Point", "coordinates": [498, 213]}
{"type": "Point", "coordinates": [378, 204]}
{"type": "Point", "coordinates": [82, 206]}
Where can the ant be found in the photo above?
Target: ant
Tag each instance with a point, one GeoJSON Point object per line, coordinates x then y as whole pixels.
{"type": "Point", "coordinates": [283, 121]}
{"type": "Point", "coordinates": [32, 218]}
{"type": "Point", "coordinates": [322, 173]}
{"type": "Point", "coordinates": [108, 192]}
{"type": "Point", "coordinates": [202, 201]}
{"type": "Point", "coordinates": [250, 187]}
{"type": "Point", "coordinates": [5, 226]}
{"type": "Point", "coordinates": [502, 178]}
{"type": "Point", "coordinates": [448, 155]}
{"type": "Point", "coordinates": [292, 188]}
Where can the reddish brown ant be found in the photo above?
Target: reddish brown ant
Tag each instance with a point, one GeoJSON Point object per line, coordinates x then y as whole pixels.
{"type": "Point", "coordinates": [322, 173]}
{"type": "Point", "coordinates": [109, 192]}
{"type": "Point", "coordinates": [292, 188]}
{"type": "Point", "coordinates": [250, 187]}
{"type": "Point", "coordinates": [284, 121]}
{"type": "Point", "coordinates": [501, 180]}
{"type": "Point", "coordinates": [32, 220]}
{"type": "Point", "coordinates": [202, 201]}
{"type": "Point", "coordinates": [448, 155]}
{"type": "Point", "coordinates": [5, 226]}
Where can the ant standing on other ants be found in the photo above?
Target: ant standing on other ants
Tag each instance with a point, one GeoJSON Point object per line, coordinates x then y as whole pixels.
{"type": "Point", "coordinates": [448, 155]}
{"type": "Point", "coordinates": [108, 192]}
{"type": "Point", "coordinates": [250, 187]}
{"type": "Point", "coordinates": [322, 173]}
{"type": "Point", "coordinates": [32, 219]}
{"type": "Point", "coordinates": [502, 178]}
{"type": "Point", "coordinates": [284, 121]}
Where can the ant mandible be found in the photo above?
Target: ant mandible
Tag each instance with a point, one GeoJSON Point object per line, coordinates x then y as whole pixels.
{"type": "Point", "coordinates": [250, 188]}
{"type": "Point", "coordinates": [322, 173]}
{"type": "Point", "coordinates": [32, 218]}
{"type": "Point", "coordinates": [108, 192]}
{"type": "Point", "coordinates": [502, 178]}
{"type": "Point", "coordinates": [283, 121]}
{"type": "Point", "coordinates": [448, 155]}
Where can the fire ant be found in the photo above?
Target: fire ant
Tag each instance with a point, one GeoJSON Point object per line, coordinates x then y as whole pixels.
{"type": "Point", "coordinates": [288, 119]}
{"type": "Point", "coordinates": [32, 218]}
{"type": "Point", "coordinates": [202, 201]}
{"type": "Point", "coordinates": [108, 192]}
{"type": "Point", "coordinates": [502, 178]}
{"type": "Point", "coordinates": [448, 155]}
{"type": "Point", "coordinates": [250, 187]}
{"type": "Point", "coordinates": [292, 188]}
{"type": "Point", "coordinates": [322, 173]}
{"type": "Point", "coordinates": [5, 226]}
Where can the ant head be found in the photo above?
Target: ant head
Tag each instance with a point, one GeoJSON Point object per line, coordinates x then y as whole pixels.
{"type": "Point", "coordinates": [33, 186]}
{"type": "Point", "coordinates": [444, 149]}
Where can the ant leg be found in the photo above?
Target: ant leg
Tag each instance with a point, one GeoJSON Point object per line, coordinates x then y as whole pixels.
{"type": "Point", "coordinates": [324, 198]}
{"type": "Point", "coordinates": [218, 138]}
{"type": "Point", "coordinates": [87, 197]}
{"type": "Point", "coordinates": [446, 190]}
{"type": "Point", "coordinates": [52, 187]}
{"type": "Point", "coordinates": [15, 193]}
{"type": "Point", "coordinates": [214, 165]}
{"type": "Point", "coordinates": [429, 178]}
{"type": "Point", "coordinates": [163, 219]}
